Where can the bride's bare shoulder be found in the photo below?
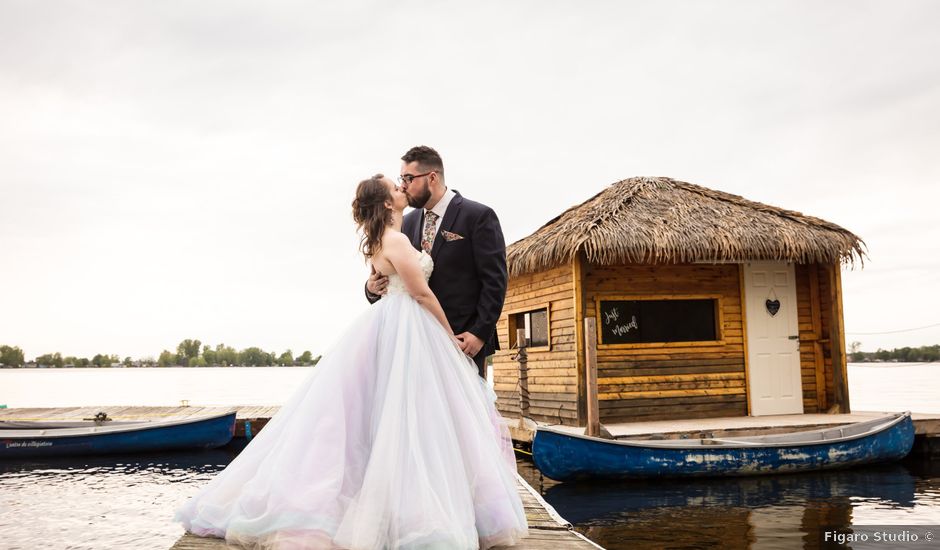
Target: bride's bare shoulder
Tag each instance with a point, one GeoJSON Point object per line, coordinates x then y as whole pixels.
{"type": "Point", "coordinates": [395, 240]}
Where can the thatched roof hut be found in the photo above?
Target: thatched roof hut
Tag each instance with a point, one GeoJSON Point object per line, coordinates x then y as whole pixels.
{"type": "Point", "coordinates": [662, 220]}
{"type": "Point", "coordinates": [701, 303]}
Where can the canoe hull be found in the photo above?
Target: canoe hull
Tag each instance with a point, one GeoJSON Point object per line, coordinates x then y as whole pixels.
{"type": "Point", "coordinates": [199, 434]}
{"type": "Point", "coordinates": [565, 457]}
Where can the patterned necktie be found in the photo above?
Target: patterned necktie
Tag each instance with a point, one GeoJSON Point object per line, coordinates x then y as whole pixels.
{"type": "Point", "coordinates": [430, 227]}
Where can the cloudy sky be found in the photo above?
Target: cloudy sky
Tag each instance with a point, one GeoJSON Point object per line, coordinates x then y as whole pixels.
{"type": "Point", "coordinates": [174, 170]}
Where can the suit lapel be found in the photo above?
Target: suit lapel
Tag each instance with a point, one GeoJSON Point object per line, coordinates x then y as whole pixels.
{"type": "Point", "coordinates": [450, 216]}
{"type": "Point", "coordinates": [415, 233]}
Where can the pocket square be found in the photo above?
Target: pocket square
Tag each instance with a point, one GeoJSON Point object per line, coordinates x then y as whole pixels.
{"type": "Point", "coordinates": [448, 236]}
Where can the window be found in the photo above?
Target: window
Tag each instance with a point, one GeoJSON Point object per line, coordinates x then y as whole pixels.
{"type": "Point", "coordinates": [640, 321]}
{"type": "Point", "coordinates": [535, 324]}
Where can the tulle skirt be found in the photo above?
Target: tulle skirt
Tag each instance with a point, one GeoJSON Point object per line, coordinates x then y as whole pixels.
{"type": "Point", "coordinates": [392, 441]}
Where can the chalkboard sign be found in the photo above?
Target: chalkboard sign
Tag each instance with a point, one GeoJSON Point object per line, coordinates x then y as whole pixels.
{"type": "Point", "coordinates": [643, 321]}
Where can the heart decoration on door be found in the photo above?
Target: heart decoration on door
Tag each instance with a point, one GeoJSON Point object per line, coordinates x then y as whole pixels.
{"type": "Point", "coordinates": [772, 303]}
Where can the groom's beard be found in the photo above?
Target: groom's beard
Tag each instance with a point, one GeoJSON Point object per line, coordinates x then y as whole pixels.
{"type": "Point", "coordinates": [419, 200]}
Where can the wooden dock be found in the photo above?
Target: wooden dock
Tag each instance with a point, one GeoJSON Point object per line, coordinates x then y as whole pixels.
{"type": "Point", "coordinates": [547, 530]}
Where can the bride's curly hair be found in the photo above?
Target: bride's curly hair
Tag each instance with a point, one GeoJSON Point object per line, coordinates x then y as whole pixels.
{"type": "Point", "coordinates": [371, 214]}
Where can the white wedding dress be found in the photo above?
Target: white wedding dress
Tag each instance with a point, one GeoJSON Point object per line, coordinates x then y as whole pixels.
{"type": "Point", "coordinates": [392, 442]}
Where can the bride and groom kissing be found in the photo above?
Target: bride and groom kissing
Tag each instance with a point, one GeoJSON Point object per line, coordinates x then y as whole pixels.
{"type": "Point", "coordinates": [466, 244]}
{"type": "Point", "coordinates": [393, 440]}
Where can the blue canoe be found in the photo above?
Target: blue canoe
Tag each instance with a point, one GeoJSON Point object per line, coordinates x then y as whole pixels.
{"type": "Point", "coordinates": [24, 439]}
{"type": "Point", "coordinates": [563, 456]}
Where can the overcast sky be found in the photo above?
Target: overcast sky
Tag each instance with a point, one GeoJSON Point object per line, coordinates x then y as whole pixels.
{"type": "Point", "coordinates": [174, 170]}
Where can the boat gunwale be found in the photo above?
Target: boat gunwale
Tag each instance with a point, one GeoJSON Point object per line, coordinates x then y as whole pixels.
{"type": "Point", "coordinates": [879, 425]}
{"type": "Point", "coordinates": [57, 433]}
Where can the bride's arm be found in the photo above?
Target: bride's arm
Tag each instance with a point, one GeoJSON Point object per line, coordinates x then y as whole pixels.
{"type": "Point", "coordinates": [398, 250]}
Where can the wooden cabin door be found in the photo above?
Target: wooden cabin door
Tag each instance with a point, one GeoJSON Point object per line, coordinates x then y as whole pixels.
{"type": "Point", "coordinates": [773, 345]}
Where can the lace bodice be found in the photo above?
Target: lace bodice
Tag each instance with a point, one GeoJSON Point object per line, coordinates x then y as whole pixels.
{"type": "Point", "coordinates": [397, 286]}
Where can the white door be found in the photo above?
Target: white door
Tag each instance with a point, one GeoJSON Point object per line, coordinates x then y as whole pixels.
{"type": "Point", "coordinates": [773, 346]}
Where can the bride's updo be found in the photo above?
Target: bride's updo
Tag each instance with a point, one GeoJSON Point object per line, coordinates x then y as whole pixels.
{"type": "Point", "coordinates": [371, 214]}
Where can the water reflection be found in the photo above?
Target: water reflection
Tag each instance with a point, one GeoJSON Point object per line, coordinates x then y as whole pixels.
{"type": "Point", "coordinates": [781, 511]}
{"type": "Point", "coordinates": [101, 502]}
{"type": "Point", "coordinates": [127, 502]}
{"type": "Point", "coordinates": [201, 462]}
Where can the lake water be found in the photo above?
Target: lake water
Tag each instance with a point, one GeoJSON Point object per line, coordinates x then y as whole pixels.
{"type": "Point", "coordinates": [127, 502]}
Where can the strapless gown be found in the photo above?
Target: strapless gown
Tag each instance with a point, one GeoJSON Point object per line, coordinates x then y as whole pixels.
{"type": "Point", "coordinates": [392, 441]}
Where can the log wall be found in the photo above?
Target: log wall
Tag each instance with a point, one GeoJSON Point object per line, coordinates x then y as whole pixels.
{"type": "Point", "coordinates": [552, 371]}
{"type": "Point", "coordinates": [647, 381]}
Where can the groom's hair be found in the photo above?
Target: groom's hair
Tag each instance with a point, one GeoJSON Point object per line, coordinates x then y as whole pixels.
{"type": "Point", "coordinates": [426, 157]}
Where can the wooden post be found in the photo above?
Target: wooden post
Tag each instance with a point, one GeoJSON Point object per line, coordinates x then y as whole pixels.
{"type": "Point", "coordinates": [837, 340]}
{"type": "Point", "coordinates": [840, 343]}
{"type": "Point", "coordinates": [522, 357]}
{"type": "Point", "coordinates": [577, 283]}
{"type": "Point", "coordinates": [590, 365]}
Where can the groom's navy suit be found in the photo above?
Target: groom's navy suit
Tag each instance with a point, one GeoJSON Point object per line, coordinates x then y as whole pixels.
{"type": "Point", "coordinates": [469, 277]}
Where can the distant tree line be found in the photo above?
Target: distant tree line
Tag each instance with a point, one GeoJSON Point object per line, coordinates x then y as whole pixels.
{"type": "Point", "coordinates": [923, 354]}
{"type": "Point", "coordinates": [189, 353]}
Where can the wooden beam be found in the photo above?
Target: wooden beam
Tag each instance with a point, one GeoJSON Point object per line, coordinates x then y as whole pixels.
{"type": "Point", "coordinates": [590, 363]}
{"type": "Point", "coordinates": [577, 275]}
{"type": "Point", "coordinates": [522, 343]}
{"type": "Point", "coordinates": [837, 340]}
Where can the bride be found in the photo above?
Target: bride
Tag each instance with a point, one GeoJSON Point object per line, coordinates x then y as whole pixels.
{"type": "Point", "coordinates": [393, 440]}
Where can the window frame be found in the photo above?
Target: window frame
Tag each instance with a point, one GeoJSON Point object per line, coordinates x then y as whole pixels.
{"type": "Point", "coordinates": [511, 323]}
{"type": "Point", "coordinates": [611, 297]}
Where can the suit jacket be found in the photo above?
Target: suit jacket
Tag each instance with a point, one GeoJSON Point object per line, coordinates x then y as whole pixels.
{"type": "Point", "coordinates": [469, 277]}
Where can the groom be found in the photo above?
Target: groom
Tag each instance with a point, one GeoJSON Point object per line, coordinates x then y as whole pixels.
{"type": "Point", "coordinates": [466, 243]}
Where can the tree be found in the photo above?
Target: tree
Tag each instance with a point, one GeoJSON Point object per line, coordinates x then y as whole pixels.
{"type": "Point", "coordinates": [11, 356]}
{"type": "Point", "coordinates": [305, 358]}
{"type": "Point", "coordinates": [167, 359]}
{"type": "Point", "coordinates": [252, 357]}
{"type": "Point", "coordinates": [128, 361]}
{"type": "Point", "coordinates": [855, 351]}
{"type": "Point", "coordinates": [188, 348]}
{"type": "Point", "coordinates": [102, 360]}
{"type": "Point", "coordinates": [51, 360]}
{"type": "Point", "coordinates": [209, 355]}
{"type": "Point", "coordinates": [286, 358]}
{"type": "Point", "coordinates": [226, 355]}
{"type": "Point", "coordinates": [197, 362]}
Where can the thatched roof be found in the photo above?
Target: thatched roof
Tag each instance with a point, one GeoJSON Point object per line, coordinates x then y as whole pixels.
{"type": "Point", "coordinates": [662, 220]}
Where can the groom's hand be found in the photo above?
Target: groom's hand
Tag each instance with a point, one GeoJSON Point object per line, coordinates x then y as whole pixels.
{"type": "Point", "coordinates": [377, 283]}
{"type": "Point", "coordinates": [469, 343]}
